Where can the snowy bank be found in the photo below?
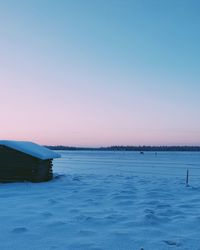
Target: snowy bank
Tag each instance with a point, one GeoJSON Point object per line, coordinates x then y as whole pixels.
{"type": "Point", "coordinates": [105, 201]}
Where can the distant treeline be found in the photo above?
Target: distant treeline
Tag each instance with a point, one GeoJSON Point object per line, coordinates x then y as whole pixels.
{"type": "Point", "coordinates": [130, 148]}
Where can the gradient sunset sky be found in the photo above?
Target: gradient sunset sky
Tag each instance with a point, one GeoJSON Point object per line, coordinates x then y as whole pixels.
{"type": "Point", "coordinates": [100, 72]}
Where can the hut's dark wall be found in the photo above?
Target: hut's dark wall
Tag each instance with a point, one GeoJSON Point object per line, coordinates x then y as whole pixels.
{"type": "Point", "coordinates": [15, 165]}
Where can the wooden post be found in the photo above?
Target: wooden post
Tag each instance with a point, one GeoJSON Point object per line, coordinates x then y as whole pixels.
{"type": "Point", "coordinates": [187, 178]}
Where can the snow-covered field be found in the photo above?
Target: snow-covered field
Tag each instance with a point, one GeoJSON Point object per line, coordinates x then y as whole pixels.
{"type": "Point", "coordinates": [106, 201]}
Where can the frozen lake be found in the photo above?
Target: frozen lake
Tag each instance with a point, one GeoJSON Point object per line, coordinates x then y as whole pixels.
{"type": "Point", "coordinates": [106, 201]}
{"type": "Point", "coordinates": [163, 164]}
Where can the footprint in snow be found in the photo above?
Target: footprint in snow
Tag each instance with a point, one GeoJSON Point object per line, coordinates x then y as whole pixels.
{"type": "Point", "coordinates": [171, 243]}
{"type": "Point", "coordinates": [58, 223]}
{"type": "Point", "coordinates": [149, 211]}
{"type": "Point", "coordinates": [76, 178]}
{"type": "Point", "coordinates": [52, 201]}
{"type": "Point", "coordinates": [74, 210]}
{"type": "Point", "coordinates": [20, 230]}
{"type": "Point", "coordinates": [86, 233]}
{"type": "Point", "coordinates": [163, 206]}
{"type": "Point", "coordinates": [59, 176]}
{"type": "Point", "coordinates": [125, 203]}
{"type": "Point", "coordinates": [47, 214]}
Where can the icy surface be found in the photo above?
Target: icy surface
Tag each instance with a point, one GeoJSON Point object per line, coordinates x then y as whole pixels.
{"type": "Point", "coordinates": [106, 201]}
{"type": "Point", "coordinates": [31, 148]}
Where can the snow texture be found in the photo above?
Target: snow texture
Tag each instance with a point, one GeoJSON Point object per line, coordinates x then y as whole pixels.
{"type": "Point", "coordinates": [106, 201]}
{"type": "Point", "coordinates": [31, 148]}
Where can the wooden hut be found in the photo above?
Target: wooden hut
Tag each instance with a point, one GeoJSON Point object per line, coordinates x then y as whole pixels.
{"type": "Point", "coordinates": [21, 160]}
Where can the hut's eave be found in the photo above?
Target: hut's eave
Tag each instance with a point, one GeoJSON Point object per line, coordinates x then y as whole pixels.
{"type": "Point", "coordinates": [31, 149]}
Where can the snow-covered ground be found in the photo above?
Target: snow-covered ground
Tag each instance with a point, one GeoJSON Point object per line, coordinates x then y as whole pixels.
{"type": "Point", "coordinates": [106, 201]}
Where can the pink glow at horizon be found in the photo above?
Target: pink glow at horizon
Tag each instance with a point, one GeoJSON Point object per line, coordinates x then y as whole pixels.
{"type": "Point", "coordinates": [65, 116]}
{"type": "Point", "coordinates": [70, 113]}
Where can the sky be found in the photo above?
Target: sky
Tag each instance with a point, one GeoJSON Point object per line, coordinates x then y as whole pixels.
{"type": "Point", "coordinates": [99, 72]}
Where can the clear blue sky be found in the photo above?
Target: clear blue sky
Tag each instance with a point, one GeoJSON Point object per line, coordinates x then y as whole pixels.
{"type": "Point", "coordinates": [100, 72]}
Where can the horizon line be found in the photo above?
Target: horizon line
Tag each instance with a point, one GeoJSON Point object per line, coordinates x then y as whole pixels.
{"type": "Point", "coordinates": [110, 146]}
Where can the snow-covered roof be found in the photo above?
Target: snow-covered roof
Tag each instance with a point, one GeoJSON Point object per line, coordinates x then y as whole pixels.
{"type": "Point", "coordinates": [31, 148]}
